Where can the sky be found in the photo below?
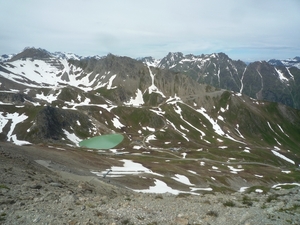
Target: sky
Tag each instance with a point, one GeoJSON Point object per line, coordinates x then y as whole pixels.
{"type": "Point", "coordinates": [243, 29]}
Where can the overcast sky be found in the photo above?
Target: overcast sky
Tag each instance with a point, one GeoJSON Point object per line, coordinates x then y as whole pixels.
{"type": "Point", "coordinates": [243, 29]}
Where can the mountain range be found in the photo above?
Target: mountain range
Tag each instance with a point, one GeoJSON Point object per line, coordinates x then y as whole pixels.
{"type": "Point", "coordinates": [275, 80]}
{"type": "Point", "coordinates": [217, 122]}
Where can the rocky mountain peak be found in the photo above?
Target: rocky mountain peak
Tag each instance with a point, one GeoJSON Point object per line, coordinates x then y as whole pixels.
{"type": "Point", "coordinates": [275, 62]}
{"type": "Point", "coordinates": [171, 60]}
{"type": "Point", "coordinates": [222, 56]}
{"type": "Point", "coordinates": [149, 60]}
{"type": "Point", "coordinates": [33, 53]}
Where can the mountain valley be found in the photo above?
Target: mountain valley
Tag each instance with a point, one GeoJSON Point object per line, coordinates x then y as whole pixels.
{"type": "Point", "coordinates": [191, 124]}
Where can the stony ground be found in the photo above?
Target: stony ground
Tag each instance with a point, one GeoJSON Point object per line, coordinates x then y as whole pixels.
{"type": "Point", "coordinates": [30, 193]}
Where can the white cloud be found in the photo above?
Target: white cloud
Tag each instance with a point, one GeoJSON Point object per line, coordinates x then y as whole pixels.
{"type": "Point", "coordinates": [242, 29]}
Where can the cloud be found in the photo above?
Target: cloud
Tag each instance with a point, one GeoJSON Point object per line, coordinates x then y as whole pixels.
{"type": "Point", "coordinates": [140, 28]}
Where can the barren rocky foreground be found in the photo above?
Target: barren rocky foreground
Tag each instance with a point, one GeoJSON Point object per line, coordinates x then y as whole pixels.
{"type": "Point", "coordinates": [41, 185]}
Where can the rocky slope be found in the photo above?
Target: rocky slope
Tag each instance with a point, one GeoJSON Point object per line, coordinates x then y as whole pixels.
{"type": "Point", "coordinates": [53, 192]}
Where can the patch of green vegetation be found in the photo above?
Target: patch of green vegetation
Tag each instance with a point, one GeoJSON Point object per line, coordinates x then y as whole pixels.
{"type": "Point", "coordinates": [272, 197]}
{"type": "Point", "coordinates": [106, 93]}
{"type": "Point", "coordinates": [222, 189]}
{"type": "Point", "coordinates": [137, 117]}
{"type": "Point", "coordinates": [159, 197]}
{"type": "Point", "coordinates": [247, 201]}
{"type": "Point", "coordinates": [99, 214]}
{"type": "Point", "coordinates": [285, 178]}
{"type": "Point", "coordinates": [286, 116]}
{"type": "Point", "coordinates": [152, 223]}
{"type": "Point", "coordinates": [288, 186]}
{"type": "Point", "coordinates": [153, 99]}
{"type": "Point", "coordinates": [294, 209]}
{"type": "Point", "coordinates": [127, 198]}
{"type": "Point", "coordinates": [68, 94]}
{"type": "Point", "coordinates": [207, 202]}
{"type": "Point", "coordinates": [90, 205]}
{"type": "Point", "coordinates": [212, 213]}
{"type": "Point", "coordinates": [4, 186]}
{"type": "Point", "coordinates": [253, 189]}
{"type": "Point", "coordinates": [224, 99]}
{"type": "Point", "coordinates": [2, 216]}
{"type": "Point", "coordinates": [229, 203]}
{"type": "Point", "coordinates": [266, 156]}
{"type": "Point", "coordinates": [126, 222]}
{"type": "Point", "coordinates": [183, 195]}
{"type": "Point", "coordinates": [171, 135]}
{"type": "Point", "coordinates": [263, 206]}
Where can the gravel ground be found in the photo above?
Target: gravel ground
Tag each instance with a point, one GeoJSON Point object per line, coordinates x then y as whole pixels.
{"type": "Point", "coordinates": [32, 194]}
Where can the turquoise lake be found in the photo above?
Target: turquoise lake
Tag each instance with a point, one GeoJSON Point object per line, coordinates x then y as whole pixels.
{"type": "Point", "coordinates": [106, 141]}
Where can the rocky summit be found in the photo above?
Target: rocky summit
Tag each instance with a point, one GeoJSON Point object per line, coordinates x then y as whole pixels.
{"type": "Point", "coordinates": [114, 140]}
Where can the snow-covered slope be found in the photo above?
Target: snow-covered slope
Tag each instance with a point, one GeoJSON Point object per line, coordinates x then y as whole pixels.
{"type": "Point", "coordinates": [52, 70]}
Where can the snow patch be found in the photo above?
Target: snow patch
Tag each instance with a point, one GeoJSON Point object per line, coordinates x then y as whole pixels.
{"type": "Point", "coordinates": [282, 157]}
{"type": "Point", "coordinates": [281, 75]}
{"type": "Point", "coordinates": [161, 187]}
{"type": "Point", "coordinates": [237, 129]}
{"type": "Point", "coordinates": [215, 125]}
{"type": "Point", "coordinates": [221, 118]}
{"type": "Point", "coordinates": [182, 179]}
{"type": "Point", "coordinates": [277, 186]}
{"type": "Point", "coordinates": [129, 168]}
{"type": "Point", "coordinates": [151, 137]}
{"type": "Point", "coordinates": [282, 130]}
{"type": "Point", "coordinates": [243, 189]}
{"type": "Point", "coordinates": [235, 170]}
{"type": "Point", "coordinates": [51, 97]}
{"type": "Point", "coordinates": [109, 86]}
{"type": "Point", "coordinates": [153, 88]}
{"type": "Point", "coordinates": [200, 189]}
{"type": "Point", "coordinates": [72, 137]}
{"type": "Point", "coordinates": [15, 118]}
{"type": "Point", "coordinates": [117, 123]}
{"type": "Point", "coordinates": [193, 172]}
{"type": "Point", "coordinates": [137, 101]}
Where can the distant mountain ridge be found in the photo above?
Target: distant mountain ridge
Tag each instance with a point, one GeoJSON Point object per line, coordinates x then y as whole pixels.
{"type": "Point", "coordinates": [275, 80]}
{"type": "Point", "coordinates": [5, 57]}
{"type": "Point", "coordinates": [295, 62]}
